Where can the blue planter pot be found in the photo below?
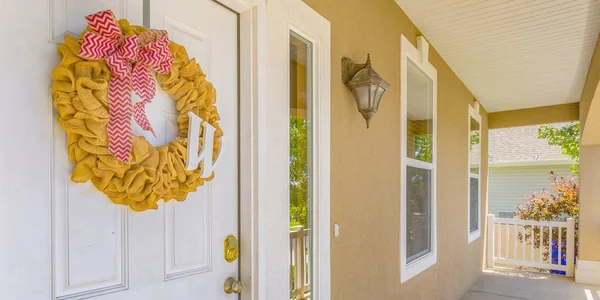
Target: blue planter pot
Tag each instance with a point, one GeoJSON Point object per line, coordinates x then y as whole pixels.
{"type": "Point", "coordinates": [563, 259]}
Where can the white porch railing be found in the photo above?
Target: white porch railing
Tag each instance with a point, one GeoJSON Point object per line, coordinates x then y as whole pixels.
{"type": "Point", "coordinates": [513, 242]}
{"type": "Point", "coordinates": [299, 262]}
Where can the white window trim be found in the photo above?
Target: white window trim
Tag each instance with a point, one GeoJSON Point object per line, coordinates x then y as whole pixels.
{"type": "Point", "coordinates": [473, 114]}
{"type": "Point", "coordinates": [420, 57]}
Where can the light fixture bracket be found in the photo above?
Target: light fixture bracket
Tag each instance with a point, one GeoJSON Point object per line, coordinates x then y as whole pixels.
{"type": "Point", "coordinates": [349, 68]}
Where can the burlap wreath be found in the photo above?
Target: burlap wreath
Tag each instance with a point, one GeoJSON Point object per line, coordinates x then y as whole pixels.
{"type": "Point", "coordinates": [80, 92]}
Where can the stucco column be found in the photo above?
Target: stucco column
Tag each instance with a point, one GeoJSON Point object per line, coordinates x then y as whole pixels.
{"type": "Point", "coordinates": [589, 203]}
{"type": "Point", "coordinates": [588, 262]}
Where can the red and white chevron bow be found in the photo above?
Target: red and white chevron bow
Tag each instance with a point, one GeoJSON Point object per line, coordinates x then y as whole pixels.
{"type": "Point", "coordinates": [131, 59]}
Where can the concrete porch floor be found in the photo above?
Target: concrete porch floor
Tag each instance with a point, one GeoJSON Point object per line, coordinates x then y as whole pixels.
{"type": "Point", "coordinates": [510, 284]}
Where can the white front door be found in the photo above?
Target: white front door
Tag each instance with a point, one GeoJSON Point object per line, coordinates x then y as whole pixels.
{"type": "Point", "coordinates": [63, 240]}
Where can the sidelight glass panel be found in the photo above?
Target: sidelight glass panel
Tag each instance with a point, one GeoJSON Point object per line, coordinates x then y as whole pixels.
{"type": "Point", "coordinates": [300, 181]}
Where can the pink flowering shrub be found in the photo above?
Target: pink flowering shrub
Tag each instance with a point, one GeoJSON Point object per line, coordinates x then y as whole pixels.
{"type": "Point", "coordinates": [558, 203]}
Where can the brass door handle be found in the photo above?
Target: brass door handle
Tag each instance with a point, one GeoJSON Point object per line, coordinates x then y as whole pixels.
{"type": "Point", "coordinates": [232, 286]}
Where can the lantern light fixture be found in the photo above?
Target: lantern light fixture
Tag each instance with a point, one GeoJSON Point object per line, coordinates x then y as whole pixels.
{"type": "Point", "coordinates": [366, 85]}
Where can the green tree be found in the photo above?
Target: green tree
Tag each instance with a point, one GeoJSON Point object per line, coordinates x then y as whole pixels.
{"type": "Point", "coordinates": [299, 175]}
{"type": "Point", "coordinates": [567, 137]}
{"type": "Point", "coordinates": [424, 147]}
{"type": "Point", "coordinates": [474, 139]}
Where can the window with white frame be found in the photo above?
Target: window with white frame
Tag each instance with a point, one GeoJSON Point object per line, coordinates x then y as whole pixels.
{"type": "Point", "coordinates": [418, 201]}
{"type": "Point", "coordinates": [474, 194]}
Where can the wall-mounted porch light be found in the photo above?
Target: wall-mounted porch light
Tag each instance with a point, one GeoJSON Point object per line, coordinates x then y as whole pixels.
{"type": "Point", "coordinates": [366, 86]}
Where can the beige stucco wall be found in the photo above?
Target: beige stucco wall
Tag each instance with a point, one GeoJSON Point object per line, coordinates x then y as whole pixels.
{"type": "Point", "coordinates": [534, 116]}
{"type": "Point", "coordinates": [365, 165]}
{"type": "Point", "coordinates": [589, 194]}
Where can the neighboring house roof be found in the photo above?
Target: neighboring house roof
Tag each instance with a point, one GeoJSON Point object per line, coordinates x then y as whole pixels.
{"type": "Point", "coordinates": [522, 145]}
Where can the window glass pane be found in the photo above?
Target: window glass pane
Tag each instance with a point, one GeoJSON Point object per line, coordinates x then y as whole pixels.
{"type": "Point", "coordinates": [419, 114]}
{"type": "Point", "coordinates": [300, 166]}
{"type": "Point", "coordinates": [418, 212]}
{"type": "Point", "coordinates": [475, 146]}
{"type": "Point", "coordinates": [506, 214]}
{"type": "Point", "coordinates": [474, 205]}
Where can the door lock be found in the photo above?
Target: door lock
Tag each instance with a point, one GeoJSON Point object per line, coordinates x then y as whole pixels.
{"type": "Point", "coordinates": [232, 286]}
{"type": "Point", "coordinates": [231, 250]}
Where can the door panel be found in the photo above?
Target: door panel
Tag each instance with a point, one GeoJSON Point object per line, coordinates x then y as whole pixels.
{"type": "Point", "coordinates": [67, 16]}
{"type": "Point", "coordinates": [89, 237]}
{"type": "Point", "coordinates": [62, 240]}
{"type": "Point", "coordinates": [210, 34]}
{"type": "Point", "coordinates": [175, 252]}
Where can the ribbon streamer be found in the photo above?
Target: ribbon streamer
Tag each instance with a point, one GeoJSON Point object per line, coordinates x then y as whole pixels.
{"type": "Point", "coordinates": [130, 59]}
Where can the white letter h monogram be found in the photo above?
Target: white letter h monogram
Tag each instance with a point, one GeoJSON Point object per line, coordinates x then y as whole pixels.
{"type": "Point", "coordinates": [205, 155]}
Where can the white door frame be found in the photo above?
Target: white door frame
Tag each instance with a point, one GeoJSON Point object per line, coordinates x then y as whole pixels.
{"type": "Point", "coordinates": [264, 89]}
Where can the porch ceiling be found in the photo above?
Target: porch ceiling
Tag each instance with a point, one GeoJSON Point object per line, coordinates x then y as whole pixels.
{"type": "Point", "coordinates": [513, 54]}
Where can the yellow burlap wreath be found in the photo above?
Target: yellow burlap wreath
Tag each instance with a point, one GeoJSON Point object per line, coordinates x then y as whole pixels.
{"type": "Point", "coordinates": [80, 92]}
